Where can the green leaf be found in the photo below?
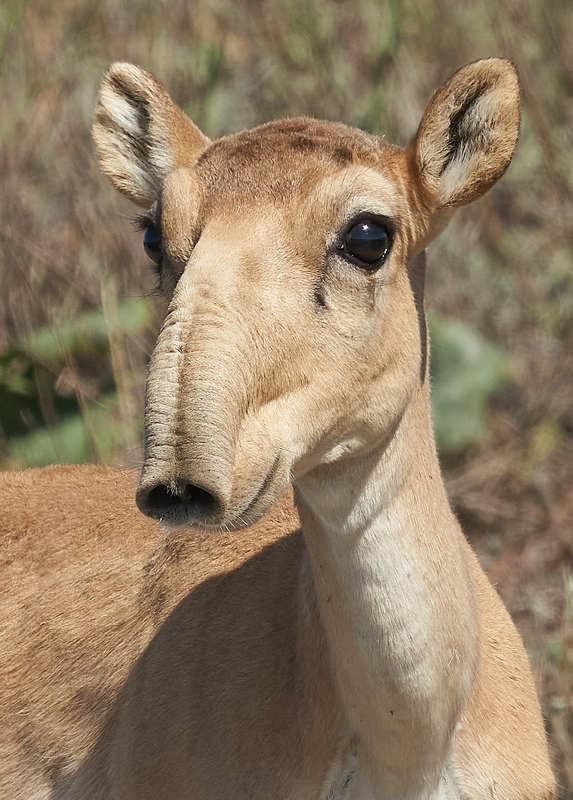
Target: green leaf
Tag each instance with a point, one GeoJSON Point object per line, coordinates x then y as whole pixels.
{"type": "Point", "coordinates": [78, 439]}
{"type": "Point", "coordinates": [466, 370]}
{"type": "Point", "coordinates": [89, 331]}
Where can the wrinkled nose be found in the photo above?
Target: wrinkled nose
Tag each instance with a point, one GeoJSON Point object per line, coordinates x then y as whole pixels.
{"type": "Point", "coordinates": [195, 402]}
{"type": "Point", "coordinates": [178, 502]}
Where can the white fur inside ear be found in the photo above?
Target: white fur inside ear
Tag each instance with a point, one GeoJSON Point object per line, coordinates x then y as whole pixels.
{"type": "Point", "coordinates": [469, 131]}
{"type": "Point", "coordinates": [140, 134]}
{"type": "Point", "coordinates": [474, 137]}
{"type": "Point", "coordinates": [121, 111]}
{"type": "Point", "coordinates": [132, 134]}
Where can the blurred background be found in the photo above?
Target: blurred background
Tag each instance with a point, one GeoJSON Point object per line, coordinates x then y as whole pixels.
{"type": "Point", "coordinates": [76, 291]}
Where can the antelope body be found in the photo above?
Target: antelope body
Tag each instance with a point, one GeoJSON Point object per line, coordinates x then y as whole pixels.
{"type": "Point", "coordinates": [349, 645]}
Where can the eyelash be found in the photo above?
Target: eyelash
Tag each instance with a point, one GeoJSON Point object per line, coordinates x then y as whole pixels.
{"type": "Point", "coordinates": [143, 221]}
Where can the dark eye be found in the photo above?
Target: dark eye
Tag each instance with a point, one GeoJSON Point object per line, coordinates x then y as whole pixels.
{"type": "Point", "coordinates": [367, 243]}
{"type": "Point", "coordinates": [152, 243]}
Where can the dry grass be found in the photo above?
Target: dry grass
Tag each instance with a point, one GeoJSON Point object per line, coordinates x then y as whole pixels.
{"type": "Point", "coordinates": [504, 267]}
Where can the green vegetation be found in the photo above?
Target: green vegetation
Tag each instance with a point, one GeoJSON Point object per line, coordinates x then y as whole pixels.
{"type": "Point", "coordinates": [466, 372]}
{"type": "Point", "coordinates": [76, 317]}
{"type": "Point", "coordinates": [46, 421]}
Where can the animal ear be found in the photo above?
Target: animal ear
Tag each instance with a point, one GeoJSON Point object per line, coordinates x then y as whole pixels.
{"type": "Point", "coordinates": [141, 135]}
{"type": "Point", "coordinates": [468, 132]}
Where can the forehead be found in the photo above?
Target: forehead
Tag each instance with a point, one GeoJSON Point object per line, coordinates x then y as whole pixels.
{"type": "Point", "coordinates": [277, 160]}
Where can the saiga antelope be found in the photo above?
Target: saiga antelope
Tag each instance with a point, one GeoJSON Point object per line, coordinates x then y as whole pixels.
{"type": "Point", "coordinates": [366, 657]}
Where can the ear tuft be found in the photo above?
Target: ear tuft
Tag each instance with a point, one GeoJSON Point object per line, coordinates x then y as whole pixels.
{"type": "Point", "coordinates": [469, 132]}
{"type": "Point", "coordinates": [140, 133]}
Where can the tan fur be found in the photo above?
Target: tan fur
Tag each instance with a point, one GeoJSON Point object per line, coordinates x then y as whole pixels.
{"type": "Point", "coordinates": [364, 657]}
{"type": "Point", "coordinates": [141, 135]}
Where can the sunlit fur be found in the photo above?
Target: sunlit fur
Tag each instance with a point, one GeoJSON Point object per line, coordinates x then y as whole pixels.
{"type": "Point", "coordinates": [363, 656]}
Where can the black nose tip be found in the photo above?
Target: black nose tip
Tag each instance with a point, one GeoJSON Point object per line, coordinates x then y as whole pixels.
{"type": "Point", "coordinates": [178, 501]}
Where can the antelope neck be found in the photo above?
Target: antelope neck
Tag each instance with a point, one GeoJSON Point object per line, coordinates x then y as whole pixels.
{"type": "Point", "coordinates": [387, 562]}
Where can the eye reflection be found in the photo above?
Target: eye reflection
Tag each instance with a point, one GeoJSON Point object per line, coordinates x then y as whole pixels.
{"type": "Point", "coordinates": [367, 242]}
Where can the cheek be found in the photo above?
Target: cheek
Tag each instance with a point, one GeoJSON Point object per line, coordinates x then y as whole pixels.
{"type": "Point", "coordinates": [349, 290]}
{"type": "Point", "coordinates": [370, 336]}
{"type": "Point", "coordinates": [350, 322]}
{"type": "Point", "coordinates": [356, 296]}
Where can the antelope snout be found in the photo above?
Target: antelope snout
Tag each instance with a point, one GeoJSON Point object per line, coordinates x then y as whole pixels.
{"type": "Point", "coordinates": [180, 501]}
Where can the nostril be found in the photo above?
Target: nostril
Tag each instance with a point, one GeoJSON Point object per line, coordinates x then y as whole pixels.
{"type": "Point", "coordinates": [178, 499]}
{"type": "Point", "coordinates": [198, 497]}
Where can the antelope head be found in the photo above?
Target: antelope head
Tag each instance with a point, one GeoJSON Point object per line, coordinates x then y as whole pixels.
{"type": "Point", "coordinates": [289, 258]}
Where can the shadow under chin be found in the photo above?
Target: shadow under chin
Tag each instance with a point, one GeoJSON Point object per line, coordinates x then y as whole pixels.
{"type": "Point", "coordinates": [273, 486]}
